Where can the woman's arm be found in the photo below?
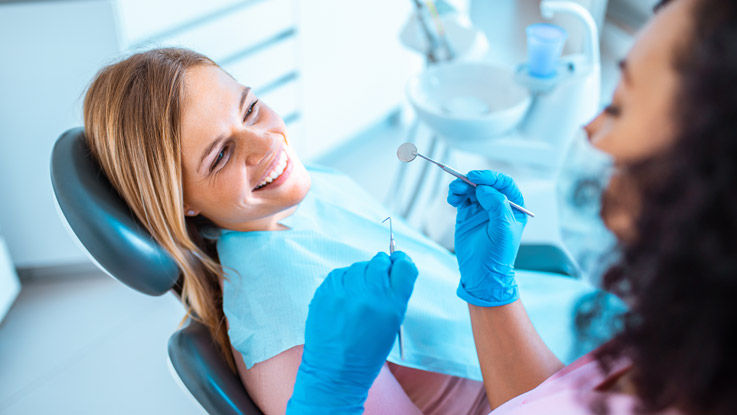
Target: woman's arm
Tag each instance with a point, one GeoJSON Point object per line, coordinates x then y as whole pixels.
{"type": "Point", "coordinates": [488, 231]}
{"type": "Point", "coordinates": [513, 357]}
{"type": "Point", "coordinates": [270, 384]}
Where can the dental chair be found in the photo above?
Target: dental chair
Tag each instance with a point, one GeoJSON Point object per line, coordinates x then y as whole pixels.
{"type": "Point", "coordinates": [118, 244]}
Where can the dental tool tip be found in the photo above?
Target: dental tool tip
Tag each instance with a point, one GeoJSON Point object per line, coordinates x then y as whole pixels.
{"type": "Point", "coordinates": [407, 152]}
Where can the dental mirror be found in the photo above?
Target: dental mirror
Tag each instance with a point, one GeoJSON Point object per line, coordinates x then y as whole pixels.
{"type": "Point", "coordinates": [407, 152]}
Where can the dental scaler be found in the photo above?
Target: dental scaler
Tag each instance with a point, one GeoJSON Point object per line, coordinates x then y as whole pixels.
{"type": "Point", "coordinates": [392, 248]}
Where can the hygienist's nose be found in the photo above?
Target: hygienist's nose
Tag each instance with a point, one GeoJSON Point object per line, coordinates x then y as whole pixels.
{"type": "Point", "coordinates": [592, 127]}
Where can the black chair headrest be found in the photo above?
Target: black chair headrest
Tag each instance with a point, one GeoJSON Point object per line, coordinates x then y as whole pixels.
{"type": "Point", "coordinates": [102, 221]}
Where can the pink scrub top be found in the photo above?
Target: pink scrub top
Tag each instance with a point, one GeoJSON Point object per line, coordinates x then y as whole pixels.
{"type": "Point", "coordinates": [571, 391]}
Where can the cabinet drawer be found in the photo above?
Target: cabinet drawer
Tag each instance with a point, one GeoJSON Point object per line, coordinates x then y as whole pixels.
{"type": "Point", "coordinates": [267, 65]}
{"type": "Point", "coordinates": [234, 32]}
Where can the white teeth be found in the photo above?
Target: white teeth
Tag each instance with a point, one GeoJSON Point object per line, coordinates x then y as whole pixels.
{"type": "Point", "coordinates": [277, 171]}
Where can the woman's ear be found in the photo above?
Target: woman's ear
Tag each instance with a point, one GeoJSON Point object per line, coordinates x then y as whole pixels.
{"type": "Point", "coordinates": [190, 212]}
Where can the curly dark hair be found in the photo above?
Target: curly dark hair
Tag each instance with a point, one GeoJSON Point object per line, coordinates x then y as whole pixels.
{"type": "Point", "coordinates": [680, 272]}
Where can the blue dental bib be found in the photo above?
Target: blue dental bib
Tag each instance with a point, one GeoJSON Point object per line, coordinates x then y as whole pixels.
{"type": "Point", "coordinates": [272, 276]}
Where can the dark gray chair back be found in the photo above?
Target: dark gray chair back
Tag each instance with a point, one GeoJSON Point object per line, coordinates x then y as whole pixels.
{"type": "Point", "coordinates": [115, 240]}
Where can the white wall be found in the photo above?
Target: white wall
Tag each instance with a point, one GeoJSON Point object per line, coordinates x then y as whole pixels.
{"type": "Point", "coordinates": [353, 66]}
{"type": "Point", "coordinates": [43, 72]}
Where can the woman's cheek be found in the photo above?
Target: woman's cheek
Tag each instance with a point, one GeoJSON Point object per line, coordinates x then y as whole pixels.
{"type": "Point", "coordinates": [234, 186]}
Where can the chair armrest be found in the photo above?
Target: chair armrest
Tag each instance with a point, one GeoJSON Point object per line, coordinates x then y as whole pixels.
{"type": "Point", "coordinates": [200, 366]}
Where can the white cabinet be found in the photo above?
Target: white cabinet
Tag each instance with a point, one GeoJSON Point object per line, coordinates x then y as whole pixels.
{"type": "Point", "coordinates": [330, 68]}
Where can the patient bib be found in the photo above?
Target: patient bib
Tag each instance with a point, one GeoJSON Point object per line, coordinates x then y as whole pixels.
{"type": "Point", "coordinates": [272, 276]}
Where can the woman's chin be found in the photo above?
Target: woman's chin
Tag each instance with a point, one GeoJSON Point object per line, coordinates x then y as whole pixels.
{"type": "Point", "coordinates": [622, 227]}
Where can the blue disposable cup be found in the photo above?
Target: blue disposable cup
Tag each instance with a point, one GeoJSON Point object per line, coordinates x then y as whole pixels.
{"type": "Point", "coordinates": [544, 46]}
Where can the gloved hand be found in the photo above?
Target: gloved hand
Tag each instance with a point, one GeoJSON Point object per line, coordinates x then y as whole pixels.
{"type": "Point", "coordinates": [487, 237]}
{"type": "Point", "coordinates": [351, 327]}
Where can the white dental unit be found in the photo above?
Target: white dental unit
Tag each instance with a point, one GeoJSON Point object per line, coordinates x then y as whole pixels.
{"type": "Point", "coordinates": [505, 113]}
{"type": "Point", "coordinates": [487, 101]}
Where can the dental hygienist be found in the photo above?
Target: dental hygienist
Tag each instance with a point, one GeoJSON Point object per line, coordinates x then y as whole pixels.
{"type": "Point", "coordinates": [671, 132]}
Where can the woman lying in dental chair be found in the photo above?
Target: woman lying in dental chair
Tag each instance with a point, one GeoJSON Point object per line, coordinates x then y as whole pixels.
{"type": "Point", "coordinates": [207, 168]}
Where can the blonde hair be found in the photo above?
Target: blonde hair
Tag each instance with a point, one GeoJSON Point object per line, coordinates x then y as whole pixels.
{"type": "Point", "coordinates": [132, 113]}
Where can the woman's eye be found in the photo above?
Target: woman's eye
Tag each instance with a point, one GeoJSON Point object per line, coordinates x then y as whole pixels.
{"type": "Point", "coordinates": [219, 157]}
{"type": "Point", "coordinates": [250, 110]}
{"type": "Point", "coordinates": [613, 110]}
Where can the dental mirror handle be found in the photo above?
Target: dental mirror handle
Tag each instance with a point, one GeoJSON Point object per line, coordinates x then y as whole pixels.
{"type": "Point", "coordinates": [465, 179]}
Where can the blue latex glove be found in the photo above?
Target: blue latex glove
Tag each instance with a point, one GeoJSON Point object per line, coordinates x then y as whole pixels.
{"type": "Point", "coordinates": [487, 237]}
{"type": "Point", "coordinates": [351, 327]}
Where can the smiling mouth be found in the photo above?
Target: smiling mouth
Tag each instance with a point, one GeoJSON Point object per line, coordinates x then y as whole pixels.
{"type": "Point", "coordinates": [279, 167]}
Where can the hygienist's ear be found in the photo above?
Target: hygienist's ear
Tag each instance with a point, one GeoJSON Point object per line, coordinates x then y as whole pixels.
{"type": "Point", "coordinates": [190, 212]}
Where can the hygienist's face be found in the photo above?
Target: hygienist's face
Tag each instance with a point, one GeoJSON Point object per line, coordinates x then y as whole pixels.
{"type": "Point", "coordinates": [638, 123]}
{"type": "Point", "coordinates": [238, 169]}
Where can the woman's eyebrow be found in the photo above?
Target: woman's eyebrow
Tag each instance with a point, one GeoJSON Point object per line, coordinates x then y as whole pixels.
{"type": "Point", "coordinates": [244, 94]}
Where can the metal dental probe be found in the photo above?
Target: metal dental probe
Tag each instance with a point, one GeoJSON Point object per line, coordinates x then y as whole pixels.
{"type": "Point", "coordinates": [392, 248]}
{"type": "Point", "coordinates": [408, 152]}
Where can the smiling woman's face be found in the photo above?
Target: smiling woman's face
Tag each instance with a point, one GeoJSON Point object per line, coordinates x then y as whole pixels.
{"type": "Point", "coordinates": [238, 169]}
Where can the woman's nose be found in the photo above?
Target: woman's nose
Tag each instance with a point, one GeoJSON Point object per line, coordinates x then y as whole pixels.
{"type": "Point", "coordinates": [592, 127]}
{"type": "Point", "coordinates": [257, 144]}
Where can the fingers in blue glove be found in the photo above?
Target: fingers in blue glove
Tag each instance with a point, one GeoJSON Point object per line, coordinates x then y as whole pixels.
{"type": "Point", "coordinates": [403, 274]}
{"type": "Point", "coordinates": [500, 182]}
{"type": "Point", "coordinates": [491, 199]}
{"type": "Point", "coordinates": [458, 192]}
{"type": "Point", "coordinates": [377, 271]}
{"type": "Point", "coordinates": [354, 279]}
{"type": "Point", "coordinates": [336, 279]}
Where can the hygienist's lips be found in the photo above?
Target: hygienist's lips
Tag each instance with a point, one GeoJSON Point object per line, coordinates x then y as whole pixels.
{"type": "Point", "coordinates": [279, 180]}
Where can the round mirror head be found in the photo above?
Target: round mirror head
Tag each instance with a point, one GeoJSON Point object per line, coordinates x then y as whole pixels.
{"type": "Point", "coordinates": [407, 152]}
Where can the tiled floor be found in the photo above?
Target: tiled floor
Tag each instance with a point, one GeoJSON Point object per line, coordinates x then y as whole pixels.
{"type": "Point", "coordinates": [88, 345]}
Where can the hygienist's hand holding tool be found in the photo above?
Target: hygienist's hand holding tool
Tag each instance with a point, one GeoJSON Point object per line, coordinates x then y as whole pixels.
{"type": "Point", "coordinates": [408, 152]}
{"type": "Point", "coordinates": [351, 326]}
{"type": "Point", "coordinates": [487, 237]}
{"type": "Point", "coordinates": [392, 248]}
